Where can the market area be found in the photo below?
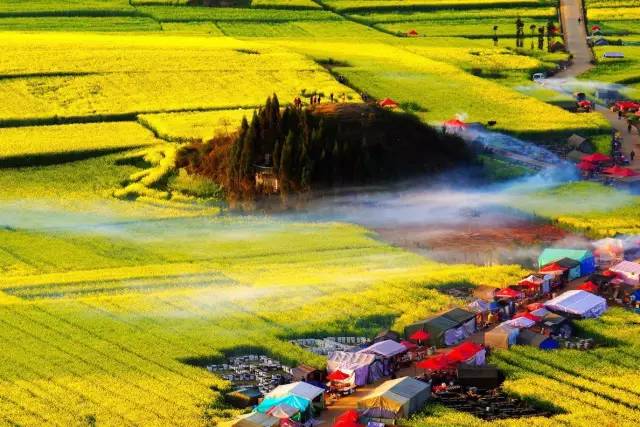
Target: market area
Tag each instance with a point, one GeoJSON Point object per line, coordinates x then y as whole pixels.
{"type": "Point", "coordinates": [443, 359]}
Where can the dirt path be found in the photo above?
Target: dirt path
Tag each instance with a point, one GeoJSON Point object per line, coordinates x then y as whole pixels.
{"type": "Point", "coordinates": [576, 41]}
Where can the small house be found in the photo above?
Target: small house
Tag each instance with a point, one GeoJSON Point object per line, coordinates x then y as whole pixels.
{"type": "Point", "coordinates": [266, 180]}
{"type": "Point", "coordinates": [306, 373]}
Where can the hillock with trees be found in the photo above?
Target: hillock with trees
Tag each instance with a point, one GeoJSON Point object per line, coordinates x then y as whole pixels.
{"type": "Point", "coordinates": [295, 149]}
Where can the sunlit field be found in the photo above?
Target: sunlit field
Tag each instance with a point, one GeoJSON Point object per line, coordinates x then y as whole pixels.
{"type": "Point", "coordinates": [120, 276]}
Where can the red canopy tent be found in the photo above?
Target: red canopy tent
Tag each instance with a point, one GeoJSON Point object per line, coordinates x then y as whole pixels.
{"type": "Point", "coordinates": [350, 416]}
{"type": "Point", "coordinates": [412, 33]}
{"type": "Point", "coordinates": [584, 104]}
{"type": "Point", "coordinates": [509, 293]}
{"type": "Point", "coordinates": [589, 287]}
{"type": "Point", "coordinates": [528, 316]}
{"type": "Point", "coordinates": [420, 335]}
{"type": "Point", "coordinates": [455, 123]}
{"type": "Point", "coordinates": [463, 352]}
{"type": "Point", "coordinates": [627, 105]}
{"type": "Point", "coordinates": [586, 166]}
{"type": "Point", "coordinates": [596, 158]}
{"type": "Point", "coordinates": [435, 363]}
{"type": "Point", "coordinates": [552, 268]}
{"type": "Point", "coordinates": [595, 28]}
{"type": "Point", "coordinates": [388, 103]}
{"type": "Point", "coordinates": [337, 376]}
{"type": "Point", "coordinates": [619, 171]}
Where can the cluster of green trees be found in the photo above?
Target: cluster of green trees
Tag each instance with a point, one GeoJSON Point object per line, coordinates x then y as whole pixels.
{"type": "Point", "coordinates": [550, 30]}
{"type": "Point", "coordinates": [324, 146]}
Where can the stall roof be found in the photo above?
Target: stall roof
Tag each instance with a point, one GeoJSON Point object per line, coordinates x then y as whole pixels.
{"type": "Point", "coordinates": [459, 315]}
{"type": "Point", "coordinates": [579, 303]}
{"type": "Point", "coordinates": [396, 398]}
{"type": "Point", "coordinates": [550, 255]}
{"type": "Point", "coordinates": [350, 361]}
{"type": "Point", "coordinates": [300, 389]}
{"type": "Point", "coordinates": [297, 402]}
{"type": "Point", "coordinates": [256, 419]}
{"type": "Point", "coordinates": [626, 267]}
{"type": "Point", "coordinates": [386, 348]}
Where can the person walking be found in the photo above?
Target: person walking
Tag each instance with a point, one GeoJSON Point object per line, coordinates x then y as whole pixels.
{"type": "Point", "coordinates": [632, 155]}
{"type": "Point", "coordinates": [619, 114]}
{"type": "Point", "coordinates": [629, 125]}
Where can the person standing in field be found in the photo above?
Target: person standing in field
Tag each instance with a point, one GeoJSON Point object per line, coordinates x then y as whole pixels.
{"type": "Point", "coordinates": [632, 155]}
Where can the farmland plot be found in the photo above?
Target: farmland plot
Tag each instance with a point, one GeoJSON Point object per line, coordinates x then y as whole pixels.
{"type": "Point", "coordinates": [34, 145]}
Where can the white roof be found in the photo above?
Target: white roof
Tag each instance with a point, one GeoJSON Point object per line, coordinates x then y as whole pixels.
{"type": "Point", "coordinates": [387, 348]}
{"type": "Point", "coordinates": [300, 389]}
{"type": "Point", "coordinates": [519, 323]}
{"type": "Point", "coordinates": [578, 302]}
{"type": "Point", "coordinates": [626, 267]}
{"type": "Point", "coordinates": [349, 361]}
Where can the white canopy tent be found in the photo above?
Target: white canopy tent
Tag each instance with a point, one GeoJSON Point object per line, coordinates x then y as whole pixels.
{"type": "Point", "coordinates": [300, 389]}
{"type": "Point", "coordinates": [627, 271]}
{"type": "Point", "coordinates": [578, 303]}
{"type": "Point", "coordinates": [387, 348]}
{"type": "Point", "coordinates": [359, 365]}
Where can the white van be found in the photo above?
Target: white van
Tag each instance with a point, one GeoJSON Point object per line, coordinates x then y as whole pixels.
{"type": "Point", "coordinates": [538, 77]}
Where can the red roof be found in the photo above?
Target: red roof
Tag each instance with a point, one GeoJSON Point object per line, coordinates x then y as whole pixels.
{"type": "Point", "coordinates": [596, 158]}
{"type": "Point", "coordinates": [412, 33]}
{"type": "Point", "coordinates": [627, 105]}
{"type": "Point", "coordinates": [420, 335]}
{"type": "Point", "coordinates": [589, 287]}
{"type": "Point", "coordinates": [528, 316]}
{"type": "Point", "coordinates": [619, 171]}
{"type": "Point", "coordinates": [529, 284]}
{"type": "Point", "coordinates": [552, 267]}
{"type": "Point", "coordinates": [435, 363]}
{"type": "Point", "coordinates": [337, 376]}
{"type": "Point", "coordinates": [463, 352]}
{"type": "Point", "coordinates": [509, 293]}
{"type": "Point", "coordinates": [586, 166]}
{"type": "Point", "coordinates": [455, 123]}
{"type": "Point", "coordinates": [388, 102]}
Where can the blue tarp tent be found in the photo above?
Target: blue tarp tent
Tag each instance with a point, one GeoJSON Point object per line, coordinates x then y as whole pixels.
{"type": "Point", "coordinates": [297, 402]}
{"type": "Point", "coordinates": [583, 256]}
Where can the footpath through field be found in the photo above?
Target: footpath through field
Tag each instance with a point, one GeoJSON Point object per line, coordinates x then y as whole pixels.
{"type": "Point", "coordinates": [575, 34]}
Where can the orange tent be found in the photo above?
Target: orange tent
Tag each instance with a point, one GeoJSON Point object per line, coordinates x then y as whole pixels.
{"type": "Point", "coordinates": [412, 33]}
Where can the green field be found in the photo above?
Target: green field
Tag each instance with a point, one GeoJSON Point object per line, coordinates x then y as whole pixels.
{"type": "Point", "coordinates": [117, 269]}
{"type": "Point", "coordinates": [619, 22]}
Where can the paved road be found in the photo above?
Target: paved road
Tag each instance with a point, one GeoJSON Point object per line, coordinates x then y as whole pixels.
{"type": "Point", "coordinates": [576, 40]}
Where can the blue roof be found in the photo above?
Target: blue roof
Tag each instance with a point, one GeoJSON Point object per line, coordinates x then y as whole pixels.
{"type": "Point", "coordinates": [297, 402]}
{"type": "Point", "coordinates": [550, 255]}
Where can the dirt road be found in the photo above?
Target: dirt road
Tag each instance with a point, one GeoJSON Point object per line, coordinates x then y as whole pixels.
{"type": "Point", "coordinates": [576, 41]}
